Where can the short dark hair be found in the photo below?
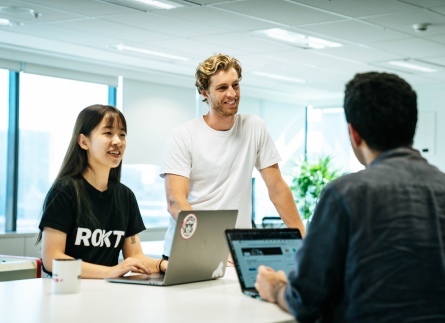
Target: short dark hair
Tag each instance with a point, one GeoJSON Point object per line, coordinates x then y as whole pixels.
{"type": "Point", "coordinates": [382, 108]}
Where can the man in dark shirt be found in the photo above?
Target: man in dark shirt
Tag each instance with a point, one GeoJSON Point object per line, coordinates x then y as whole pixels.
{"type": "Point", "coordinates": [375, 249]}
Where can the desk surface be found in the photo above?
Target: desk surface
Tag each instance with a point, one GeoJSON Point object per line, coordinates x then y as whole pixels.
{"type": "Point", "coordinates": [99, 301]}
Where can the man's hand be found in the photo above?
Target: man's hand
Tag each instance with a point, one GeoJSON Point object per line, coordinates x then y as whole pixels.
{"type": "Point", "coordinates": [177, 189]}
{"type": "Point", "coordinates": [270, 284]}
{"type": "Point", "coordinates": [281, 196]}
{"type": "Point", "coordinates": [230, 262]}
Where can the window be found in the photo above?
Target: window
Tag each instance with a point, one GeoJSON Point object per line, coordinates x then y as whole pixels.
{"type": "Point", "coordinates": [327, 134]}
{"type": "Point", "coordinates": [48, 110]}
{"type": "Point", "coordinates": [148, 186]}
{"type": "Point", "coordinates": [4, 96]}
{"type": "Point", "coordinates": [286, 125]}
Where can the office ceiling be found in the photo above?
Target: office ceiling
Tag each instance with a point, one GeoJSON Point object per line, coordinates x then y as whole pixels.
{"type": "Point", "coordinates": [371, 32]}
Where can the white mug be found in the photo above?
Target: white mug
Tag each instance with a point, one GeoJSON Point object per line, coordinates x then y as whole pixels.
{"type": "Point", "coordinates": [66, 276]}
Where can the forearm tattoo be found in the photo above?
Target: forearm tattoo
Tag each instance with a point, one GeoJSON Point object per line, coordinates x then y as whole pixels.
{"type": "Point", "coordinates": [133, 239]}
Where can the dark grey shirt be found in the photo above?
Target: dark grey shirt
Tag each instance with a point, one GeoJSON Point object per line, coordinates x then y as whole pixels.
{"type": "Point", "coordinates": [375, 249]}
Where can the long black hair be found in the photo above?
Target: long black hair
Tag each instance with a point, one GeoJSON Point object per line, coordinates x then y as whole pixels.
{"type": "Point", "coordinates": [76, 158]}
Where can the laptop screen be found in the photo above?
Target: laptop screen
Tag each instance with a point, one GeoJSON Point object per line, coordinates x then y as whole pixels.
{"type": "Point", "coordinates": [250, 248]}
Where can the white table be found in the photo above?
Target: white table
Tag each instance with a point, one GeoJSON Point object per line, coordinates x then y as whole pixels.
{"type": "Point", "coordinates": [99, 301]}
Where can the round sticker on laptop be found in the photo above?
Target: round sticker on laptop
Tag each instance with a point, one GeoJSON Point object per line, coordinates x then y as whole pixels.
{"type": "Point", "coordinates": [188, 226]}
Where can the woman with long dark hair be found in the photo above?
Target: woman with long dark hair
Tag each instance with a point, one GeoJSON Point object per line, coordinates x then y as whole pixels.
{"type": "Point", "coordinates": [88, 213]}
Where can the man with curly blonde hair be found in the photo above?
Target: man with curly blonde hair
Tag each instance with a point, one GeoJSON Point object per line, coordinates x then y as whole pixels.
{"type": "Point", "coordinates": [208, 161]}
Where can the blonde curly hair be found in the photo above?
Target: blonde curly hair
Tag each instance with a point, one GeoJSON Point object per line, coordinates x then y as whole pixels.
{"type": "Point", "coordinates": [210, 66]}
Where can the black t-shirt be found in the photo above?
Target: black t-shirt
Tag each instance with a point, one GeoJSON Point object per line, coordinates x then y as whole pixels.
{"type": "Point", "coordinates": [115, 209]}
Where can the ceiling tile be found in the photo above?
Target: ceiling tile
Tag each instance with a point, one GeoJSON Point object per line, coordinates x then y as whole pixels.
{"type": "Point", "coordinates": [413, 79]}
{"type": "Point", "coordinates": [216, 17]}
{"type": "Point", "coordinates": [304, 57]}
{"type": "Point", "coordinates": [439, 76]}
{"type": "Point", "coordinates": [440, 60]}
{"type": "Point", "coordinates": [48, 14]}
{"type": "Point", "coordinates": [60, 34]}
{"type": "Point", "coordinates": [245, 42]}
{"type": "Point", "coordinates": [105, 28]}
{"type": "Point", "coordinates": [355, 31]}
{"type": "Point", "coordinates": [165, 25]}
{"type": "Point", "coordinates": [279, 11]}
{"type": "Point", "coordinates": [404, 22]}
{"type": "Point", "coordinates": [412, 48]}
{"type": "Point", "coordinates": [438, 39]}
{"type": "Point", "coordinates": [424, 3]}
{"type": "Point", "coordinates": [440, 10]}
{"type": "Point", "coordinates": [89, 8]}
{"type": "Point", "coordinates": [193, 47]}
{"type": "Point", "coordinates": [359, 53]}
{"type": "Point", "coordinates": [355, 9]}
{"type": "Point", "coordinates": [212, 1]}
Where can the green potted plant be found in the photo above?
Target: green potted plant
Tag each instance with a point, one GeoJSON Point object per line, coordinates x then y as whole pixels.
{"type": "Point", "coordinates": [308, 181]}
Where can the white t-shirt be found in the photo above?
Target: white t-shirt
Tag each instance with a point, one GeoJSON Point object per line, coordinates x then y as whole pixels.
{"type": "Point", "coordinates": [219, 165]}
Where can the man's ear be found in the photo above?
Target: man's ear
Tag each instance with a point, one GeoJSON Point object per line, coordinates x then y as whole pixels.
{"type": "Point", "coordinates": [82, 141]}
{"type": "Point", "coordinates": [356, 139]}
{"type": "Point", "coordinates": [204, 94]}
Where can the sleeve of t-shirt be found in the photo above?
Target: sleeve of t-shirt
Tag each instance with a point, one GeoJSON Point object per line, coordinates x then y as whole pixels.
{"type": "Point", "coordinates": [177, 157]}
{"type": "Point", "coordinates": [135, 222]}
{"type": "Point", "coordinates": [59, 210]}
{"type": "Point", "coordinates": [315, 285]}
{"type": "Point", "coordinates": [267, 154]}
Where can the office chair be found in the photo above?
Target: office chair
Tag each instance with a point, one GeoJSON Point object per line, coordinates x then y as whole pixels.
{"type": "Point", "coordinates": [272, 222]}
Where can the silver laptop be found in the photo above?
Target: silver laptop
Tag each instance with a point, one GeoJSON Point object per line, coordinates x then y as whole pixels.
{"type": "Point", "coordinates": [199, 250]}
{"type": "Point", "coordinates": [250, 248]}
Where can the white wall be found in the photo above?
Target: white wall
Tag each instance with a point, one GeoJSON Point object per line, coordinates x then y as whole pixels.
{"type": "Point", "coordinates": [286, 124]}
{"type": "Point", "coordinates": [431, 122]}
{"type": "Point", "coordinates": [19, 244]}
{"type": "Point", "coordinates": [152, 111]}
{"type": "Point", "coordinates": [432, 99]}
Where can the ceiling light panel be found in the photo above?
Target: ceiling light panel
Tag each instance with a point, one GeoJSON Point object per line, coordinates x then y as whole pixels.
{"type": "Point", "coordinates": [408, 64]}
{"type": "Point", "coordinates": [146, 5]}
{"type": "Point", "coordinates": [280, 77]}
{"type": "Point", "coordinates": [151, 53]}
{"type": "Point", "coordinates": [156, 4]}
{"type": "Point", "coordinates": [296, 39]}
{"type": "Point", "coordinates": [411, 66]}
{"type": "Point", "coordinates": [5, 22]}
{"type": "Point", "coordinates": [8, 23]}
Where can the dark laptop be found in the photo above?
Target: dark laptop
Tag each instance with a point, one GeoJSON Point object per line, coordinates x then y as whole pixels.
{"type": "Point", "coordinates": [250, 248]}
{"type": "Point", "coordinates": [199, 250]}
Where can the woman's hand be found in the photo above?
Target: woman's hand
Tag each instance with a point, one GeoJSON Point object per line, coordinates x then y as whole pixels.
{"type": "Point", "coordinates": [129, 264]}
{"type": "Point", "coordinates": [164, 265]}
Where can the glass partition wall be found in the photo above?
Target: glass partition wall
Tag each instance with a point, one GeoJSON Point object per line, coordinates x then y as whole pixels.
{"type": "Point", "coordinates": [4, 107]}
{"type": "Point", "coordinates": [48, 109]}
